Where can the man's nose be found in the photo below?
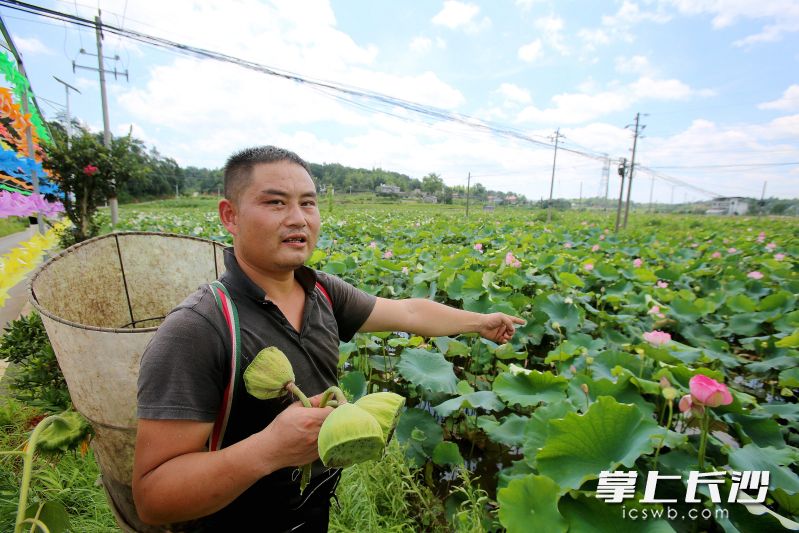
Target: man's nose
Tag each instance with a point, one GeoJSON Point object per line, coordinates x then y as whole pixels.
{"type": "Point", "coordinates": [295, 216]}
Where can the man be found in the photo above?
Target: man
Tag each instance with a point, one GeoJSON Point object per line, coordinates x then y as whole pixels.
{"type": "Point", "coordinates": [270, 208]}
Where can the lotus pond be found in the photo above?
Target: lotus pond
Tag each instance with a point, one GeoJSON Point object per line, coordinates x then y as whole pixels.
{"type": "Point", "coordinates": [617, 327]}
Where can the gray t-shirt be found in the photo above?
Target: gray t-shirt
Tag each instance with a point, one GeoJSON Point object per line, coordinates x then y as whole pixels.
{"type": "Point", "coordinates": [185, 368]}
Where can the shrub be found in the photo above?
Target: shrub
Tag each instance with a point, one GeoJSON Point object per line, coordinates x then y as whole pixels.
{"type": "Point", "coordinates": [36, 379]}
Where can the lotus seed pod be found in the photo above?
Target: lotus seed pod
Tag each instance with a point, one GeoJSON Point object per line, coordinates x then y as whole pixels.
{"type": "Point", "coordinates": [385, 407]}
{"type": "Point", "coordinates": [66, 431]}
{"type": "Point", "coordinates": [350, 435]}
{"type": "Point", "coordinates": [266, 377]}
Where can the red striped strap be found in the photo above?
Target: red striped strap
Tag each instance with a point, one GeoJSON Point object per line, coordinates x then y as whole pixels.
{"type": "Point", "coordinates": [229, 311]}
{"type": "Point", "coordinates": [324, 293]}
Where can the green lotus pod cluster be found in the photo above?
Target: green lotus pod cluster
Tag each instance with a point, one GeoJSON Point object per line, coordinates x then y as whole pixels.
{"type": "Point", "coordinates": [358, 432]}
{"type": "Point", "coordinates": [385, 407]}
{"type": "Point", "coordinates": [350, 435]}
{"type": "Point", "coordinates": [268, 374]}
{"type": "Point", "coordinates": [65, 432]}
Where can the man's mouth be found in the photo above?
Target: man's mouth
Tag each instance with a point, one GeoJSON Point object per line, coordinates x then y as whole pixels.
{"type": "Point", "coordinates": [295, 239]}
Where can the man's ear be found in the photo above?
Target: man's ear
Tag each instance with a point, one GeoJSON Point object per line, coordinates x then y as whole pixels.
{"type": "Point", "coordinates": [229, 216]}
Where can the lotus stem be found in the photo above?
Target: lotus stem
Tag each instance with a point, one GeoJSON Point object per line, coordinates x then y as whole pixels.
{"type": "Point", "coordinates": [295, 390]}
{"type": "Point", "coordinates": [663, 438]}
{"type": "Point", "coordinates": [333, 391]}
{"type": "Point", "coordinates": [703, 437]}
{"type": "Point", "coordinates": [306, 469]}
{"type": "Point", "coordinates": [26, 471]}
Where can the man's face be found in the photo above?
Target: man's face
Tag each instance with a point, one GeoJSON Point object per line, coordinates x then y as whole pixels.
{"type": "Point", "coordinates": [275, 220]}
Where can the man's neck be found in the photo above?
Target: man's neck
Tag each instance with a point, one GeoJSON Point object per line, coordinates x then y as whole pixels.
{"type": "Point", "coordinates": [278, 285]}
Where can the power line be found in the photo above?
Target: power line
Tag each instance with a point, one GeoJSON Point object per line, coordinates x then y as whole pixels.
{"type": "Point", "coordinates": [322, 85]}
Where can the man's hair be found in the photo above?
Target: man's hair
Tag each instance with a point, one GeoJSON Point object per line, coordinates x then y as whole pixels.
{"type": "Point", "coordinates": [238, 169]}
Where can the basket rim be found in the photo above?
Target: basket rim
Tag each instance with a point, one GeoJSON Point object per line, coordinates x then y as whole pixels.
{"type": "Point", "coordinates": [116, 234]}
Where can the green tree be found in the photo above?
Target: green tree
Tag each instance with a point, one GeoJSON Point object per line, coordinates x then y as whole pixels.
{"type": "Point", "coordinates": [84, 170]}
{"type": "Point", "coordinates": [432, 183]}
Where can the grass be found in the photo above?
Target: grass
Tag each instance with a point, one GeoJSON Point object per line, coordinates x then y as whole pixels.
{"type": "Point", "coordinates": [70, 479]}
{"type": "Point", "coordinates": [11, 225]}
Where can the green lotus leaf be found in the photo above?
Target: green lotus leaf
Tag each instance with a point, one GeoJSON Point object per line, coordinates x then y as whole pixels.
{"type": "Point", "coordinates": [53, 514]}
{"type": "Point", "coordinates": [559, 311]}
{"type": "Point", "coordinates": [759, 429]}
{"type": "Point", "coordinates": [587, 514]}
{"type": "Point", "coordinates": [606, 272]}
{"type": "Point", "coordinates": [447, 453]}
{"type": "Point", "coordinates": [428, 370]}
{"type": "Point", "coordinates": [610, 434]}
{"type": "Point", "coordinates": [530, 388]}
{"type": "Point", "coordinates": [776, 461]}
{"type": "Point", "coordinates": [740, 303]}
{"type": "Point", "coordinates": [353, 383]}
{"type": "Point", "coordinates": [531, 504]}
{"type": "Point", "coordinates": [420, 432]}
{"type": "Point", "coordinates": [509, 431]}
{"type": "Point", "coordinates": [451, 347]}
{"type": "Point", "coordinates": [486, 400]}
{"type": "Point", "coordinates": [537, 430]}
{"type": "Point", "coordinates": [789, 341]}
{"type": "Point", "coordinates": [567, 279]}
{"type": "Point", "coordinates": [789, 378]}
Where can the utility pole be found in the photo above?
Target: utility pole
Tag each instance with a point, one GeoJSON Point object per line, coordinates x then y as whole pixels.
{"type": "Point", "coordinates": [67, 87]}
{"type": "Point", "coordinates": [604, 182]}
{"type": "Point", "coordinates": [762, 199]}
{"type": "Point", "coordinates": [580, 201]}
{"type": "Point", "coordinates": [468, 188]}
{"type": "Point", "coordinates": [622, 172]}
{"type": "Point", "coordinates": [632, 167]}
{"type": "Point", "coordinates": [558, 136]}
{"type": "Point", "coordinates": [98, 26]}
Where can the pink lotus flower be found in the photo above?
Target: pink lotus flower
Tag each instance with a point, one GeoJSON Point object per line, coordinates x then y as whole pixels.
{"type": "Point", "coordinates": [595, 248]}
{"type": "Point", "coordinates": [388, 255]}
{"type": "Point", "coordinates": [637, 262]}
{"type": "Point", "coordinates": [662, 284]}
{"type": "Point", "coordinates": [657, 338]}
{"type": "Point", "coordinates": [373, 244]}
{"type": "Point", "coordinates": [771, 246]}
{"type": "Point", "coordinates": [779, 257]}
{"type": "Point", "coordinates": [655, 309]}
{"type": "Point", "coordinates": [567, 245]}
{"type": "Point", "coordinates": [478, 247]}
{"type": "Point", "coordinates": [694, 244]}
{"type": "Point", "coordinates": [755, 275]}
{"type": "Point", "coordinates": [404, 270]}
{"type": "Point", "coordinates": [761, 236]}
{"type": "Point", "coordinates": [512, 261]}
{"type": "Point", "coordinates": [601, 237]}
{"type": "Point", "coordinates": [90, 170]}
{"type": "Point", "coordinates": [686, 404]}
{"type": "Point", "coordinates": [588, 266]}
{"type": "Point", "coordinates": [715, 255]}
{"type": "Point", "coordinates": [731, 250]}
{"type": "Point", "coordinates": [709, 392]}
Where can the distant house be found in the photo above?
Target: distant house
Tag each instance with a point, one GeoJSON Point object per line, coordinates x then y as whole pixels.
{"type": "Point", "coordinates": [388, 189]}
{"type": "Point", "coordinates": [430, 199]}
{"type": "Point", "coordinates": [511, 199]}
{"type": "Point", "coordinates": [488, 207]}
{"type": "Point", "coordinates": [733, 205]}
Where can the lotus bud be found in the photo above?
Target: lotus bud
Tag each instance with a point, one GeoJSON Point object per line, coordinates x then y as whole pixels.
{"type": "Point", "coordinates": [350, 435]}
{"type": "Point", "coordinates": [268, 374]}
{"type": "Point", "coordinates": [385, 408]}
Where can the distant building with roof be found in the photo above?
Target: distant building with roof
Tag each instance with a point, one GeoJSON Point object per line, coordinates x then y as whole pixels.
{"type": "Point", "coordinates": [732, 205]}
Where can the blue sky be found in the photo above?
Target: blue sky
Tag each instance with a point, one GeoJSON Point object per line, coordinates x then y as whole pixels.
{"type": "Point", "coordinates": [716, 83]}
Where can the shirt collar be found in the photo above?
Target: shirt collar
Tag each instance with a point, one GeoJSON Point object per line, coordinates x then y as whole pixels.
{"type": "Point", "coordinates": [237, 280]}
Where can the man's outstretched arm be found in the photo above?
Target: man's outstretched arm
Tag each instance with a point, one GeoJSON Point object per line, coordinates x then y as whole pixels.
{"type": "Point", "coordinates": [432, 319]}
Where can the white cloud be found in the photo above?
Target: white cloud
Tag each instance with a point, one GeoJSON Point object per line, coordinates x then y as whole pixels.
{"type": "Point", "coordinates": [636, 64]}
{"type": "Point", "coordinates": [592, 103]}
{"type": "Point", "coordinates": [788, 102]}
{"type": "Point", "coordinates": [514, 93]}
{"type": "Point", "coordinates": [526, 5]}
{"type": "Point", "coordinates": [421, 44]}
{"type": "Point", "coordinates": [455, 15]}
{"type": "Point", "coordinates": [551, 27]}
{"type": "Point", "coordinates": [32, 45]}
{"type": "Point", "coordinates": [530, 51]}
{"type": "Point", "coordinates": [783, 14]}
